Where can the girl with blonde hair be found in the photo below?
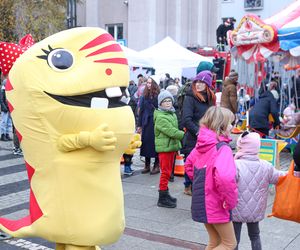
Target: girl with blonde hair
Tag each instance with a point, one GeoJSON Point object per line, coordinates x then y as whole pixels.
{"type": "Point", "coordinates": [199, 97]}
{"type": "Point", "coordinates": [211, 167]}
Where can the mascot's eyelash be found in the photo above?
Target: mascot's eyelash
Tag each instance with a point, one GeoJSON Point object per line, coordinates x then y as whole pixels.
{"type": "Point", "coordinates": [46, 52]}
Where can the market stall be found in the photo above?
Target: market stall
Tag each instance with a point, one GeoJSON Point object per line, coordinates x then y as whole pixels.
{"type": "Point", "coordinates": [138, 64]}
{"type": "Point", "coordinates": [167, 56]}
{"type": "Point", "coordinates": [271, 47]}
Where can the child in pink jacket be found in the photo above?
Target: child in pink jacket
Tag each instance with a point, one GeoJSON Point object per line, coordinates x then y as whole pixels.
{"type": "Point", "coordinates": [211, 167]}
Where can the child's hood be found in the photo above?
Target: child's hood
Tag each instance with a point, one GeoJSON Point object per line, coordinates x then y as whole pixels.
{"type": "Point", "coordinates": [207, 139]}
{"type": "Point", "coordinates": [162, 113]}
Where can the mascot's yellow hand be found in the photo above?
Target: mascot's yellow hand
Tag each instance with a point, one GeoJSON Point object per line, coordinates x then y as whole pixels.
{"type": "Point", "coordinates": [100, 139]}
{"type": "Point", "coordinates": [134, 144]}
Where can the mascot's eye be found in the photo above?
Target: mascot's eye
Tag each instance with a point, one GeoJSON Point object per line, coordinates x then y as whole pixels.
{"type": "Point", "coordinates": [60, 59]}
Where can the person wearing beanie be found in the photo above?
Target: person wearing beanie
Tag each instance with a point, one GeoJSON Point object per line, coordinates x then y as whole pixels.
{"type": "Point", "coordinates": [289, 122]}
{"type": "Point", "coordinates": [259, 113]}
{"type": "Point", "coordinates": [202, 66]}
{"type": "Point", "coordinates": [207, 66]}
{"type": "Point", "coordinates": [253, 179]}
{"type": "Point", "coordinates": [167, 143]}
{"type": "Point", "coordinates": [272, 87]}
{"type": "Point", "coordinates": [198, 99]}
{"type": "Point", "coordinates": [173, 89]}
{"type": "Point", "coordinates": [229, 92]}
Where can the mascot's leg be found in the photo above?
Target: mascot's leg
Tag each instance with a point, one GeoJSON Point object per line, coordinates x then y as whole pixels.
{"type": "Point", "coordinates": [72, 247]}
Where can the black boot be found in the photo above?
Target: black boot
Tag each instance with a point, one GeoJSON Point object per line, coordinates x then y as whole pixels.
{"type": "Point", "coordinates": [146, 169]}
{"type": "Point", "coordinates": [164, 199]}
{"type": "Point", "coordinates": [171, 178]}
{"type": "Point", "coordinates": [8, 137]}
{"type": "Point", "coordinates": [3, 137]}
{"type": "Point", "coordinates": [156, 168]}
{"type": "Point", "coordinates": [173, 199]}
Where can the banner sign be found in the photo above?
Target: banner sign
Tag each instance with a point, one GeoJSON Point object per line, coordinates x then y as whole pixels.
{"type": "Point", "coordinates": [268, 150]}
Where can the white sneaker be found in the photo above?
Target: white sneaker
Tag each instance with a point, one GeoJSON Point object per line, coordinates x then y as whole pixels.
{"type": "Point", "coordinates": [17, 151]}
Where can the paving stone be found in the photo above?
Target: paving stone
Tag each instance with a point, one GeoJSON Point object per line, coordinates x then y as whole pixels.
{"type": "Point", "coordinates": [125, 242]}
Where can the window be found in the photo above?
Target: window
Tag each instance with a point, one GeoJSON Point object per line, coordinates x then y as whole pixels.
{"type": "Point", "coordinates": [253, 4]}
{"type": "Point", "coordinates": [116, 30]}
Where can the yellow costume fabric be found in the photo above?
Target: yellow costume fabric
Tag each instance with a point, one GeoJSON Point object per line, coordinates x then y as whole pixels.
{"type": "Point", "coordinates": [72, 150]}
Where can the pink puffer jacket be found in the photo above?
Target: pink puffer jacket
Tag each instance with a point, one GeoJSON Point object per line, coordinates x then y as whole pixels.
{"type": "Point", "coordinates": [213, 173]}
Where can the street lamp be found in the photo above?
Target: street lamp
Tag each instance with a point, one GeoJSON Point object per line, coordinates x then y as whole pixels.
{"type": "Point", "coordinates": [71, 14]}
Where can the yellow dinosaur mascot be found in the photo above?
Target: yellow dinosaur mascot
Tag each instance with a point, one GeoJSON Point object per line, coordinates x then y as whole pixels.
{"type": "Point", "coordinates": [67, 99]}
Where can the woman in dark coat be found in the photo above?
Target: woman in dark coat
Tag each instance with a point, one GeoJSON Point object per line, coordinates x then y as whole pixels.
{"type": "Point", "coordinates": [197, 100]}
{"type": "Point", "coordinates": [259, 114]}
{"type": "Point", "coordinates": [148, 103]}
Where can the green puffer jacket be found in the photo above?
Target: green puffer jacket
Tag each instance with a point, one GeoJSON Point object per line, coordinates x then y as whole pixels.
{"type": "Point", "coordinates": [167, 134]}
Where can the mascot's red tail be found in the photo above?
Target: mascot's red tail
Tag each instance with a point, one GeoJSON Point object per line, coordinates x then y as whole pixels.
{"type": "Point", "coordinates": [22, 227]}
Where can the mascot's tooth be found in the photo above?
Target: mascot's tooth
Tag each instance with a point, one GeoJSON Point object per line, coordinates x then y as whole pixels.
{"type": "Point", "coordinates": [125, 100]}
{"type": "Point", "coordinates": [100, 103]}
{"type": "Point", "coordinates": [113, 92]}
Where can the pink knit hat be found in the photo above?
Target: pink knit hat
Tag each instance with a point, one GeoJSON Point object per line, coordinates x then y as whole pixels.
{"type": "Point", "coordinates": [248, 144]}
{"type": "Point", "coordinates": [289, 110]}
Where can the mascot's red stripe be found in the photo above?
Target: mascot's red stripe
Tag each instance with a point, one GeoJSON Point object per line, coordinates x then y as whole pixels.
{"type": "Point", "coordinates": [35, 211]}
{"type": "Point", "coordinates": [110, 48]}
{"type": "Point", "coordinates": [10, 107]}
{"type": "Point", "coordinates": [8, 86]}
{"type": "Point", "coordinates": [30, 171]}
{"type": "Point", "coordinates": [97, 41]}
{"type": "Point", "coordinates": [20, 137]}
{"type": "Point", "coordinates": [113, 60]}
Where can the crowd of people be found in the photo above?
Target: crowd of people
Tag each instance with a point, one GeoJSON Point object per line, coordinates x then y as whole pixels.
{"type": "Point", "coordinates": [227, 189]}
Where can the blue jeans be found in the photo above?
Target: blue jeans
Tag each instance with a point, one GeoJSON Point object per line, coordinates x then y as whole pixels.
{"type": "Point", "coordinates": [187, 180]}
{"type": "Point", "coordinates": [5, 122]}
{"type": "Point", "coordinates": [253, 232]}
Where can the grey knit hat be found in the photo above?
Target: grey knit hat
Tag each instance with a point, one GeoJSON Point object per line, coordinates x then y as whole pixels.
{"type": "Point", "coordinates": [163, 95]}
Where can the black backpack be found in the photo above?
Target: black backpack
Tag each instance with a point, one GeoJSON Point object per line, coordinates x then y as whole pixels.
{"type": "Point", "coordinates": [181, 95]}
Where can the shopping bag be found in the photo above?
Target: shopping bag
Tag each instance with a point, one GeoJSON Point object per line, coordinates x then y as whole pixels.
{"type": "Point", "coordinates": [287, 198]}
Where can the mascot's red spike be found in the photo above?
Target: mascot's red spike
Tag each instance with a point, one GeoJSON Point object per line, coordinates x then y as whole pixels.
{"type": "Point", "coordinates": [113, 60]}
{"type": "Point", "coordinates": [98, 41]}
{"type": "Point", "coordinates": [109, 48]}
{"type": "Point", "coordinates": [10, 52]}
{"type": "Point", "coordinates": [8, 86]}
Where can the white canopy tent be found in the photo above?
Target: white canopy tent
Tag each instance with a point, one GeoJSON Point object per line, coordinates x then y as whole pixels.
{"type": "Point", "coordinates": [135, 59]}
{"type": "Point", "coordinates": [137, 63]}
{"type": "Point", "coordinates": [167, 56]}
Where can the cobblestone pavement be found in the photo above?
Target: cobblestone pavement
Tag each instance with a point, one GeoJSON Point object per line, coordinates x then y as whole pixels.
{"type": "Point", "coordinates": [14, 195]}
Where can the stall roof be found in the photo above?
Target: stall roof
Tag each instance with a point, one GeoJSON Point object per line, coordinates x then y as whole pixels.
{"type": "Point", "coordinates": [168, 53]}
{"type": "Point", "coordinates": [289, 32]}
{"type": "Point", "coordinates": [285, 16]}
{"type": "Point", "coordinates": [135, 59]}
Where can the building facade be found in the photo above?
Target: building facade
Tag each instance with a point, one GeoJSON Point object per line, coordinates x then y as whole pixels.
{"type": "Point", "coordinates": [142, 23]}
{"type": "Point", "coordinates": [262, 8]}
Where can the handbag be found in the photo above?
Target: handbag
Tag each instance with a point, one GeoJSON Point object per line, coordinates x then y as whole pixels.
{"type": "Point", "coordinates": [287, 198]}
